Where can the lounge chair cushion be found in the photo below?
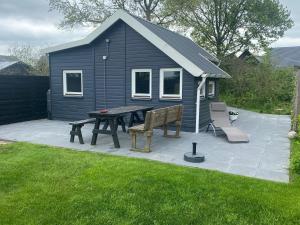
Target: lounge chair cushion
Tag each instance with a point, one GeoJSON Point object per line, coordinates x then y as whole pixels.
{"type": "Point", "coordinates": [235, 135]}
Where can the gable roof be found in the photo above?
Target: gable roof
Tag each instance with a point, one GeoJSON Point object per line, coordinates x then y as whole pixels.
{"type": "Point", "coordinates": [246, 55]}
{"type": "Point", "coordinates": [6, 61]}
{"type": "Point", "coordinates": [182, 50]}
{"type": "Point", "coordinates": [285, 56]}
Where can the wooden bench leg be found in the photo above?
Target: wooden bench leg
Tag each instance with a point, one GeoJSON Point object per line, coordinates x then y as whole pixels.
{"type": "Point", "coordinates": [165, 127]}
{"type": "Point", "coordinates": [178, 126]}
{"type": "Point", "coordinates": [133, 139]}
{"type": "Point", "coordinates": [177, 132]}
{"type": "Point", "coordinates": [147, 147]}
{"type": "Point", "coordinates": [72, 133]}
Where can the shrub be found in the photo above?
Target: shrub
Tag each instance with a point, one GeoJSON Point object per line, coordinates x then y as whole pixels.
{"type": "Point", "coordinates": [295, 157]}
{"type": "Point", "coordinates": [260, 87]}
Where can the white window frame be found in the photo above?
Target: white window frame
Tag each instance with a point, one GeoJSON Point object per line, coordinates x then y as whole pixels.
{"type": "Point", "coordinates": [213, 92]}
{"type": "Point", "coordinates": [161, 82]}
{"type": "Point", "coordinates": [66, 93]}
{"type": "Point", "coordinates": [133, 84]}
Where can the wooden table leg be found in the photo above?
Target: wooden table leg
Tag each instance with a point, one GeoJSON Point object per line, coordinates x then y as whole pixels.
{"type": "Point", "coordinates": [131, 120]}
{"type": "Point", "coordinates": [105, 125]}
{"type": "Point", "coordinates": [72, 133]}
{"type": "Point", "coordinates": [121, 120]}
{"type": "Point", "coordinates": [95, 131]}
{"type": "Point", "coordinates": [80, 134]}
{"type": "Point", "coordinates": [113, 124]}
{"type": "Point", "coordinates": [138, 119]}
{"type": "Point", "coordinates": [144, 114]}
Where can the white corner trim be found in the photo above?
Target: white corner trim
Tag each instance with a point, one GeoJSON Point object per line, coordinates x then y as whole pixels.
{"type": "Point", "coordinates": [65, 84]}
{"type": "Point", "coordinates": [133, 82]}
{"type": "Point", "coordinates": [141, 29]}
{"type": "Point", "coordinates": [161, 84]}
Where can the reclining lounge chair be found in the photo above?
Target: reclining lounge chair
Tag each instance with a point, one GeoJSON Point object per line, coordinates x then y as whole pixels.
{"type": "Point", "coordinates": [220, 121]}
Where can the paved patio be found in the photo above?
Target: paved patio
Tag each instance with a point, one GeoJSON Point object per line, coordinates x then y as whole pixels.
{"type": "Point", "coordinates": [265, 157]}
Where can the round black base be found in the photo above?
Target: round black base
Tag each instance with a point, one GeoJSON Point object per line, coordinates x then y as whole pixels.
{"type": "Point", "coordinates": [189, 157]}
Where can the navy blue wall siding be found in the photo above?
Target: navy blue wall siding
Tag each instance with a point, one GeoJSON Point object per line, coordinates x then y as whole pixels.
{"type": "Point", "coordinates": [114, 68]}
{"type": "Point", "coordinates": [126, 50]}
{"type": "Point", "coordinates": [140, 54]}
{"type": "Point", "coordinates": [70, 108]}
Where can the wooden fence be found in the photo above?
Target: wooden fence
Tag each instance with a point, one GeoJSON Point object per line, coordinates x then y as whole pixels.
{"type": "Point", "coordinates": [23, 98]}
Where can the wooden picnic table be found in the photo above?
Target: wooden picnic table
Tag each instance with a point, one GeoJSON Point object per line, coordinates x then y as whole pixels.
{"type": "Point", "coordinates": [113, 118]}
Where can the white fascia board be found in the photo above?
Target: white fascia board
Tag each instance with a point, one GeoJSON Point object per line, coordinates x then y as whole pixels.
{"type": "Point", "coordinates": [88, 39]}
{"type": "Point", "coordinates": [142, 30]}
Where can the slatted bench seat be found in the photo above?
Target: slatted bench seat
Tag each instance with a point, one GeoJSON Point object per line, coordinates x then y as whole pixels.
{"type": "Point", "coordinates": [76, 129]}
{"type": "Point", "coordinates": [156, 118]}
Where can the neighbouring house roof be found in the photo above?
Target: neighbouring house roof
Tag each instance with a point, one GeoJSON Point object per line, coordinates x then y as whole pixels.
{"type": "Point", "coordinates": [285, 56]}
{"type": "Point", "coordinates": [10, 65]}
{"type": "Point", "coordinates": [247, 55]}
{"type": "Point", "coordinates": [182, 50]}
{"type": "Point", "coordinates": [6, 61]}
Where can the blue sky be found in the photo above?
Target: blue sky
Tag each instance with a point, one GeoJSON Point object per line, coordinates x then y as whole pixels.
{"type": "Point", "coordinates": [30, 22]}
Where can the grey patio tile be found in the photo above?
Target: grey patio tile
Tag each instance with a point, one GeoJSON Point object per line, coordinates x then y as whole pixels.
{"type": "Point", "coordinates": [266, 156]}
{"type": "Point", "coordinates": [242, 170]}
{"type": "Point", "coordinates": [245, 161]}
{"type": "Point", "coordinates": [219, 166]}
{"type": "Point", "coordinates": [272, 175]}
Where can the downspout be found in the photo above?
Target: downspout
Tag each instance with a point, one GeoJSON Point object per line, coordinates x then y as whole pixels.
{"type": "Point", "coordinates": [105, 58]}
{"type": "Point", "coordinates": [203, 76]}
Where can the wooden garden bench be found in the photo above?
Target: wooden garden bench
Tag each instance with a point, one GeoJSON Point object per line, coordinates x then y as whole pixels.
{"type": "Point", "coordinates": [76, 129]}
{"type": "Point", "coordinates": [157, 118]}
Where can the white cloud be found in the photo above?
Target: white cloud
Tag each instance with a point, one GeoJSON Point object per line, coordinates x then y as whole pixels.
{"type": "Point", "coordinates": [30, 22]}
{"type": "Point", "coordinates": [24, 31]}
{"type": "Point", "coordinates": [23, 26]}
{"type": "Point", "coordinates": [287, 41]}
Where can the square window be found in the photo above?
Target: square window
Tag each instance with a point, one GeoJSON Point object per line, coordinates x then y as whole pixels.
{"type": "Point", "coordinates": [171, 83]}
{"type": "Point", "coordinates": [211, 88]}
{"type": "Point", "coordinates": [72, 82]}
{"type": "Point", "coordinates": [141, 83]}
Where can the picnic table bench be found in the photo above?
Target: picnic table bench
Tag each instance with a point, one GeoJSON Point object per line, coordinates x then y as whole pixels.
{"type": "Point", "coordinates": [156, 118]}
{"type": "Point", "coordinates": [76, 129]}
{"type": "Point", "coordinates": [113, 117]}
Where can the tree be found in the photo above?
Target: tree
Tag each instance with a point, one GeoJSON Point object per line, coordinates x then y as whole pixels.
{"type": "Point", "coordinates": [94, 12]}
{"type": "Point", "coordinates": [260, 87]}
{"type": "Point", "coordinates": [25, 53]}
{"type": "Point", "coordinates": [228, 26]}
{"type": "Point", "coordinates": [31, 56]}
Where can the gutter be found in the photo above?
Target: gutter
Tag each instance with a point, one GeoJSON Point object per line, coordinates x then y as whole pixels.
{"type": "Point", "coordinates": [203, 76]}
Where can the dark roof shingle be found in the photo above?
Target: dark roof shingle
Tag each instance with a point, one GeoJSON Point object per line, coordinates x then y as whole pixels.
{"type": "Point", "coordinates": [186, 47]}
{"type": "Point", "coordinates": [286, 56]}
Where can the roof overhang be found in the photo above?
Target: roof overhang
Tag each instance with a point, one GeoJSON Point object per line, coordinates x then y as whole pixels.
{"type": "Point", "coordinates": [142, 30]}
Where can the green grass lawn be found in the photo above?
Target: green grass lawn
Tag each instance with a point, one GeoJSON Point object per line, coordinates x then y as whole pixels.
{"type": "Point", "coordinates": [45, 185]}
